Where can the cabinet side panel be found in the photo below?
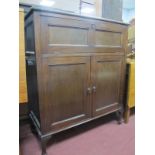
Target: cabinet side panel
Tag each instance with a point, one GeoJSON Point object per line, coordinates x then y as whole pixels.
{"type": "Point", "coordinates": [31, 68]}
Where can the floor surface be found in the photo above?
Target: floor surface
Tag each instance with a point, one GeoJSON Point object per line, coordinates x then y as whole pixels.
{"type": "Point", "coordinates": [100, 137]}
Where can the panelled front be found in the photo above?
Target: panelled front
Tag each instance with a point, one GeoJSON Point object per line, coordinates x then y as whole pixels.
{"type": "Point", "coordinates": [71, 35]}
{"type": "Point", "coordinates": [106, 83]}
{"type": "Point", "coordinates": [79, 63]}
{"type": "Point", "coordinates": [65, 82]}
{"type": "Point", "coordinates": [58, 33]}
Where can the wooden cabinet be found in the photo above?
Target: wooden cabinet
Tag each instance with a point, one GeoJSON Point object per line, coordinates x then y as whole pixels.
{"type": "Point", "coordinates": [75, 69]}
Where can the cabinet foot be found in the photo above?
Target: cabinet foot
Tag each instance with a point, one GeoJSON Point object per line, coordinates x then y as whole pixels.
{"type": "Point", "coordinates": [127, 114]}
{"type": "Point", "coordinates": [43, 145]}
{"type": "Point", "coordinates": [119, 115]}
{"type": "Point", "coordinates": [44, 141]}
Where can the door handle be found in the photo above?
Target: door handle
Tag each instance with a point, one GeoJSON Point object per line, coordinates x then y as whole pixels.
{"type": "Point", "coordinates": [89, 90]}
{"type": "Point", "coordinates": [94, 89]}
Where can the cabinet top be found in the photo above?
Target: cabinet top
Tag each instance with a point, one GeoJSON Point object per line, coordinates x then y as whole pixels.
{"type": "Point", "coordinates": [48, 10]}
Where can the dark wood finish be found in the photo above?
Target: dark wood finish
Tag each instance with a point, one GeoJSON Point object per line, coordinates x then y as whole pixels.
{"type": "Point", "coordinates": [65, 83]}
{"type": "Point", "coordinates": [31, 67]}
{"type": "Point", "coordinates": [106, 83]}
{"type": "Point", "coordinates": [75, 69]}
{"type": "Point", "coordinates": [23, 109]}
{"type": "Point", "coordinates": [108, 38]}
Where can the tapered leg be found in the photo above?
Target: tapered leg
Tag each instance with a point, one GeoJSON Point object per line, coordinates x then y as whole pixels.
{"type": "Point", "coordinates": [127, 114]}
{"type": "Point", "coordinates": [44, 141]}
{"type": "Point", "coordinates": [43, 145]}
{"type": "Point", "coordinates": [33, 128]}
{"type": "Point", "coordinates": [119, 115]}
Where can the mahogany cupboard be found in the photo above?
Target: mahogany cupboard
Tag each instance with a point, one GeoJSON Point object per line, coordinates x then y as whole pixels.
{"type": "Point", "coordinates": [75, 69]}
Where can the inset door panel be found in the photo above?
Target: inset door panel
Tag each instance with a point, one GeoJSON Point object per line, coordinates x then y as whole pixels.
{"type": "Point", "coordinates": [109, 35]}
{"type": "Point", "coordinates": [65, 88]}
{"type": "Point", "coordinates": [106, 83]}
{"type": "Point", "coordinates": [106, 38]}
{"type": "Point", "coordinates": [58, 33]}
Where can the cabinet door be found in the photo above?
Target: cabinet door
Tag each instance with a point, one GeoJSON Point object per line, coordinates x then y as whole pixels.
{"type": "Point", "coordinates": [65, 100]}
{"type": "Point", "coordinates": [106, 77]}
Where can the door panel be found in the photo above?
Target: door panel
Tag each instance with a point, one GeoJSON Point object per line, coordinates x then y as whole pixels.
{"type": "Point", "coordinates": [65, 91]}
{"type": "Point", "coordinates": [110, 35]}
{"type": "Point", "coordinates": [105, 38]}
{"type": "Point", "coordinates": [58, 34]}
{"type": "Point", "coordinates": [106, 83]}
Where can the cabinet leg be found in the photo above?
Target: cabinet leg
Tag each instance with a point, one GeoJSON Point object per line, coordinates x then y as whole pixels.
{"type": "Point", "coordinates": [44, 141]}
{"type": "Point", "coordinates": [43, 146]}
{"type": "Point", "coordinates": [127, 114]}
{"type": "Point", "coordinates": [119, 115]}
{"type": "Point", "coordinates": [33, 129]}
